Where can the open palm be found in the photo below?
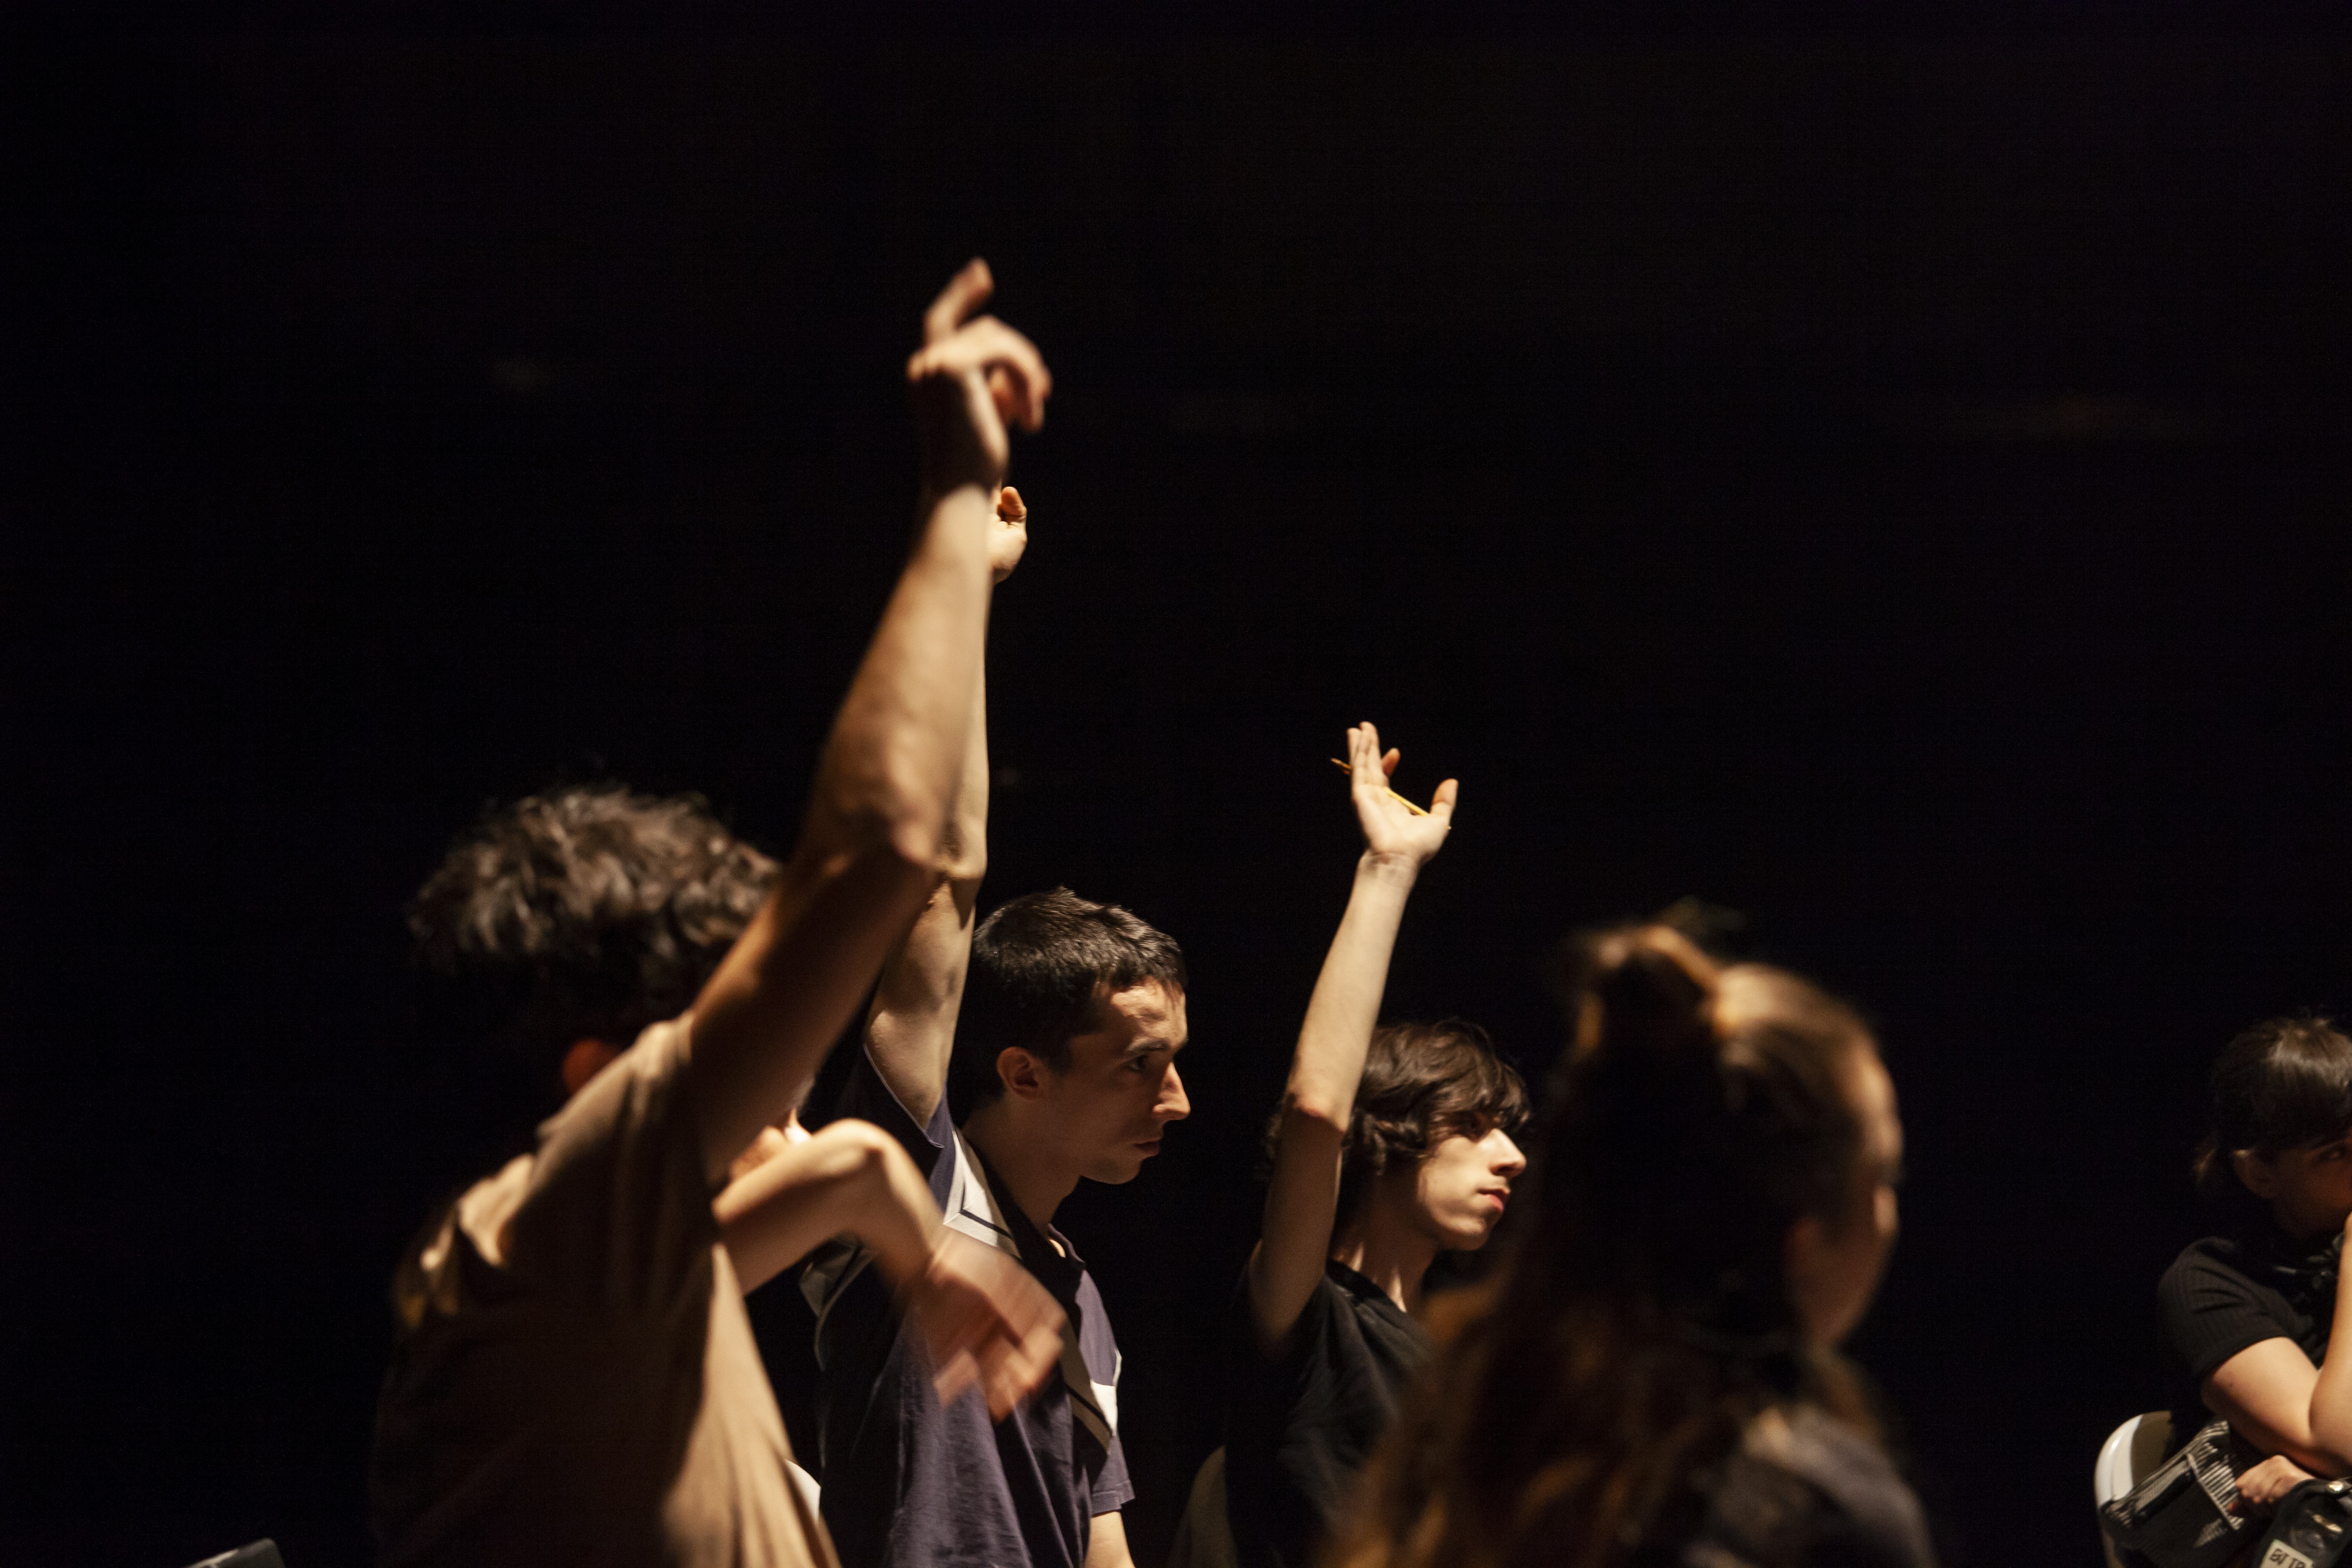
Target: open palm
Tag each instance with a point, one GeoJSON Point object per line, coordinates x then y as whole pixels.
{"type": "Point", "coordinates": [1392, 829]}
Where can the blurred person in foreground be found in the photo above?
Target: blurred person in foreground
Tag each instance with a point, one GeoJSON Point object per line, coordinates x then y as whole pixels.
{"type": "Point", "coordinates": [575, 1380]}
{"type": "Point", "coordinates": [1652, 1380]}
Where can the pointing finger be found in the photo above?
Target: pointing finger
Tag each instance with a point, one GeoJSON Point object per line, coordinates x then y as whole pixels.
{"type": "Point", "coordinates": [964, 294]}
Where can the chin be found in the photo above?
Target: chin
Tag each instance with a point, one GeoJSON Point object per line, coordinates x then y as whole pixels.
{"type": "Point", "coordinates": [1116, 1172]}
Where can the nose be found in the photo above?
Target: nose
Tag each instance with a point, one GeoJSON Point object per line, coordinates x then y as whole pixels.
{"type": "Point", "coordinates": [1508, 1159]}
{"type": "Point", "coordinates": [1171, 1105]}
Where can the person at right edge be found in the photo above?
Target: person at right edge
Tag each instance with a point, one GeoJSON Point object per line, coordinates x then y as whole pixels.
{"type": "Point", "coordinates": [1653, 1379]}
{"type": "Point", "coordinates": [2249, 1312]}
{"type": "Point", "coordinates": [1393, 1145]}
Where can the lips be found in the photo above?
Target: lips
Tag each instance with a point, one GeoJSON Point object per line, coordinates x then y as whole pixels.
{"type": "Point", "coordinates": [1148, 1145]}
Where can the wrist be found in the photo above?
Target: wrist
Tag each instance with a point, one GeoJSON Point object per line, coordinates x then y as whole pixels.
{"type": "Point", "coordinates": [973, 490]}
{"type": "Point", "coordinates": [1391, 870]}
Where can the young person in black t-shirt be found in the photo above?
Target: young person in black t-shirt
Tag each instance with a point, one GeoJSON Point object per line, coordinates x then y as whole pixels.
{"type": "Point", "coordinates": [1652, 1380]}
{"type": "Point", "coordinates": [2249, 1313]}
{"type": "Point", "coordinates": [1390, 1147]}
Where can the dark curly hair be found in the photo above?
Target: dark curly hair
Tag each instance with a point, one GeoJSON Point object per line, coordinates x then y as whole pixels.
{"type": "Point", "coordinates": [1422, 1084]}
{"type": "Point", "coordinates": [586, 912]}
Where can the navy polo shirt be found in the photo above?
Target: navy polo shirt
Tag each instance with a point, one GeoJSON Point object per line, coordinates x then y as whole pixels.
{"type": "Point", "coordinates": [909, 1483]}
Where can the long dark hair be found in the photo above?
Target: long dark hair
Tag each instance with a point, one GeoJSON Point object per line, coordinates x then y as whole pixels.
{"type": "Point", "coordinates": [2285, 1083]}
{"type": "Point", "coordinates": [1644, 1319]}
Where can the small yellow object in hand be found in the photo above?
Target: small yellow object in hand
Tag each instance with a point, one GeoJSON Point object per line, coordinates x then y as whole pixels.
{"type": "Point", "coordinates": [1416, 810]}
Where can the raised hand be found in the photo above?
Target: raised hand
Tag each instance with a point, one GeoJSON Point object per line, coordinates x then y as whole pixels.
{"type": "Point", "coordinates": [986, 1321]}
{"type": "Point", "coordinates": [1392, 833]}
{"type": "Point", "coordinates": [1009, 540]}
{"type": "Point", "coordinates": [971, 374]}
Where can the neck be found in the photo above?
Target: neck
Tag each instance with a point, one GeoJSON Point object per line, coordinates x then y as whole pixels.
{"type": "Point", "coordinates": [1034, 1177]}
{"type": "Point", "coordinates": [1388, 1250]}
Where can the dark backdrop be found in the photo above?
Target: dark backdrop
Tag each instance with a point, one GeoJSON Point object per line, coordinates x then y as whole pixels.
{"type": "Point", "coordinates": [1889, 483]}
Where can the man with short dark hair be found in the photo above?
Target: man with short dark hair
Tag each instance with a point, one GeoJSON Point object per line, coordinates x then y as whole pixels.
{"type": "Point", "coordinates": [576, 1380]}
{"type": "Point", "coordinates": [1064, 1043]}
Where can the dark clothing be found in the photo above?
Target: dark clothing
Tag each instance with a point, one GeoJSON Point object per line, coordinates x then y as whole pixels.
{"type": "Point", "coordinates": [1300, 1425]}
{"type": "Point", "coordinates": [1808, 1492]}
{"type": "Point", "coordinates": [2222, 1295]}
{"type": "Point", "coordinates": [908, 1484]}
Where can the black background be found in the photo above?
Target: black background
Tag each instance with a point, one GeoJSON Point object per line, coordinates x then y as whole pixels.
{"type": "Point", "coordinates": [1884, 476]}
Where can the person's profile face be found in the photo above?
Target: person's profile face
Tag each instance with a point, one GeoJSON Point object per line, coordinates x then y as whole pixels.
{"type": "Point", "coordinates": [2309, 1188]}
{"type": "Point", "coordinates": [1121, 1089]}
{"type": "Point", "coordinates": [1835, 1267]}
{"type": "Point", "coordinates": [1461, 1188]}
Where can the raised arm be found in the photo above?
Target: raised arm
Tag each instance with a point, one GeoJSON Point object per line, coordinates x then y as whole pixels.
{"type": "Point", "coordinates": [985, 1319]}
{"type": "Point", "coordinates": [1302, 1200]}
{"type": "Point", "coordinates": [911, 1028]}
{"type": "Point", "coordinates": [871, 843]}
{"type": "Point", "coordinates": [2283, 1405]}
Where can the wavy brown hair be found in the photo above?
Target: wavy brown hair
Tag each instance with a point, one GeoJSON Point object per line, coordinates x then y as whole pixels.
{"type": "Point", "coordinates": [588, 911]}
{"type": "Point", "coordinates": [1643, 1319]}
{"type": "Point", "coordinates": [1423, 1083]}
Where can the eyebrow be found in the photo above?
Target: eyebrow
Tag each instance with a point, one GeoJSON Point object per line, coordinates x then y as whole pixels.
{"type": "Point", "coordinates": [1144, 1047]}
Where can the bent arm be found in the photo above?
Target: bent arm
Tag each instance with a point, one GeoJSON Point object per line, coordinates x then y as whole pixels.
{"type": "Point", "coordinates": [865, 860]}
{"type": "Point", "coordinates": [1106, 1543]}
{"type": "Point", "coordinates": [852, 1177]}
{"type": "Point", "coordinates": [871, 843]}
{"type": "Point", "coordinates": [2283, 1405]}
{"type": "Point", "coordinates": [1302, 1200]}
{"type": "Point", "coordinates": [910, 1029]}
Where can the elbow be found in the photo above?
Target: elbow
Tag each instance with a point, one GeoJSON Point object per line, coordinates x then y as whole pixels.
{"type": "Point", "coordinates": [889, 809]}
{"type": "Point", "coordinates": [2330, 1442]}
{"type": "Point", "coordinates": [872, 842]}
{"type": "Point", "coordinates": [1315, 1114]}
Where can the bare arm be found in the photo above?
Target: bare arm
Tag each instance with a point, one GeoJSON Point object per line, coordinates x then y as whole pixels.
{"type": "Point", "coordinates": [876, 822]}
{"type": "Point", "coordinates": [1106, 1543]}
{"type": "Point", "coordinates": [911, 1028]}
{"type": "Point", "coordinates": [2283, 1405]}
{"type": "Point", "coordinates": [985, 1319]}
{"type": "Point", "coordinates": [1302, 1201]}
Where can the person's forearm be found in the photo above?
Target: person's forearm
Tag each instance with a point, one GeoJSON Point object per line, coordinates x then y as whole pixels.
{"type": "Point", "coordinates": [850, 1178]}
{"type": "Point", "coordinates": [1346, 1005]}
{"type": "Point", "coordinates": [964, 859]}
{"type": "Point", "coordinates": [2331, 1396]}
{"type": "Point", "coordinates": [892, 762]}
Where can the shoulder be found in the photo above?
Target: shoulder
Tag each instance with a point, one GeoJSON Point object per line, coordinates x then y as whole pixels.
{"type": "Point", "coordinates": [2211, 1275]}
{"type": "Point", "coordinates": [1802, 1479]}
{"type": "Point", "coordinates": [2206, 1258]}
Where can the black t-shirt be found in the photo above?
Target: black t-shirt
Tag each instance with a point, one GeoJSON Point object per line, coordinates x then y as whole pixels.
{"type": "Point", "coordinates": [1299, 1426]}
{"type": "Point", "coordinates": [2222, 1295]}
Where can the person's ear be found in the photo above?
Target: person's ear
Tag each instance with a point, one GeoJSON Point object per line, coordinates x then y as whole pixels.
{"type": "Point", "coordinates": [584, 1060]}
{"type": "Point", "coordinates": [2259, 1176]}
{"type": "Point", "coordinates": [1022, 1077]}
